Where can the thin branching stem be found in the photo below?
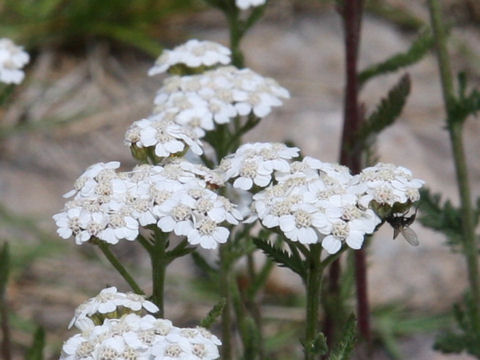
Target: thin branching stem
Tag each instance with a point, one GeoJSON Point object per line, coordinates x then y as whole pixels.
{"type": "Point", "coordinates": [352, 11]}
{"type": "Point", "coordinates": [455, 128]}
{"type": "Point", "coordinates": [313, 283]}
{"type": "Point", "coordinates": [159, 264]}
{"type": "Point", "coordinates": [225, 293]}
{"type": "Point", "coordinates": [105, 248]}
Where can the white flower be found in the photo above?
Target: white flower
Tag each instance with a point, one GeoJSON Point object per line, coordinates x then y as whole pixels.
{"type": "Point", "coordinates": [254, 163]}
{"type": "Point", "coordinates": [245, 4]}
{"type": "Point", "coordinates": [143, 338]}
{"type": "Point", "coordinates": [166, 137]}
{"type": "Point", "coordinates": [178, 197]}
{"type": "Point", "coordinates": [218, 96]}
{"type": "Point", "coordinates": [193, 54]}
{"type": "Point", "coordinates": [314, 202]}
{"type": "Point", "coordinates": [86, 183]}
{"type": "Point", "coordinates": [208, 234]}
{"type": "Point", "coordinates": [12, 60]}
{"type": "Point", "coordinates": [108, 301]}
{"type": "Point", "coordinates": [387, 184]}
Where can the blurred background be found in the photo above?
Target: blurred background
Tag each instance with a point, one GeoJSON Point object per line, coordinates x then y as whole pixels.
{"type": "Point", "coordinates": [87, 82]}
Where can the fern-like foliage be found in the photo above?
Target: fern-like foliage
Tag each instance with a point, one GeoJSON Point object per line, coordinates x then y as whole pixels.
{"type": "Point", "coordinates": [466, 104]}
{"type": "Point", "coordinates": [318, 346]}
{"type": "Point", "coordinates": [386, 112]}
{"type": "Point", "coordinates": [282, 257]}
{"type": "Point", "coordinates": [213, 314]}
{"type": "Point", "coordinates": [443, 217]}
{"type": "Point", "coordinates": [467, 338]}
{"type": "Point", "coordinates": [345, 346]}
{"type": "Point", "coordinates": [415, 53]}
{"type": "Point", "coordinates": [417, 50]}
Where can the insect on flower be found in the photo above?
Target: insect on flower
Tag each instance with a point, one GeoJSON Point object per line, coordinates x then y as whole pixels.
{"type": "Point", "coordinates": [400, 225]}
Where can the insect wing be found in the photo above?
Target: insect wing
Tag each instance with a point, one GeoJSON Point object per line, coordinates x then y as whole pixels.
{"type": "Point", "coordinates": [410, 236]}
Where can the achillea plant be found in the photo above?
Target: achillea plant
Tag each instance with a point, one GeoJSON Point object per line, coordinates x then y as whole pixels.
{"type": "Point", "coordinates": [306, 204]}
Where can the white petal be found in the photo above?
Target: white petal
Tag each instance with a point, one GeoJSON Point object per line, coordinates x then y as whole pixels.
{"type": "Point", "coordinates": [331, 244]}
{"type": "Point", "coordinates": [287, 223]}
{"type": "Point", "coordinates": [355, 240]}
{"type": "Point", "coordinates": [243, 183]}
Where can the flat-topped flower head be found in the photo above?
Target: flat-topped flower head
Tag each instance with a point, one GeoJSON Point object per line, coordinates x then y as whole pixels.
{"type": "Point", "coordinates": [254, 164]}
{"type": "Point", "coordinates": [164, 136]}
{"type": "Point", "coordinates": [178, 197]}
{"type": "Point", "coordinates": [217, 96]}
{"type": "Point", "coordinates": [193, 54]}
{"type": "Point", "coordinates": [387, 186]}
{"type": "Point", "coordinates": [246, 4]}
{"type": "Point", "coordinates": [99, 208]}
{"type": "Point", "coordinates": [313, 202]}
{"type": "Point", "coordinates": [12, 60]}
{"type": "Point", "coordinates": [141, 337]}
{"type": "Point", "coordinates": [109, 301]}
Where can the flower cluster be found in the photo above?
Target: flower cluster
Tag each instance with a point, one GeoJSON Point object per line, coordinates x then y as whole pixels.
{"type": "Point", "coordinates": [111, 205]}
{"type": "Point", "coordinates": [245, 4]}
{"type": "Point", "coordinates": [217, 96]}
{"type": "Point", "coordinates": [128, 335]}
{"type": "Point", "coordinates": [193, 54]}
{"type": "Point", "coordinates": [109, 301]}
{"type": "Point", "coordinates": [388, 186]}
{"type": "Point", "coordinates": [163, 136]}
{"type": "Point", "coordinates": [314, 202]}
{"type": "Point", "coordinates": [12, 60]}
{"type": "Point", "coordinates": [253, 164]}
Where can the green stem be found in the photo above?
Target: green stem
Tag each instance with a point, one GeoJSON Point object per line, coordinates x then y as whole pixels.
{"type": "Point", "coordinates": [159, 264]}
{"type": "Point", "coordinates": [247, 325]}
{"type": "Point", "coordinates": [236, 34]}
{"type": "Point", "coordinates": [313, 283]}
{"type": "Point", "coordinates": [440, 34]}
{"type": "Point", "coordinates": [226, 316]}
{"type": "Point", "coordinates": [455, 128]}
{"type": "Point", "coordinates": [104, 247]}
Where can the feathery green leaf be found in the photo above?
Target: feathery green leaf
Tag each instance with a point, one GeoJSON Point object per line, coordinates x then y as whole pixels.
{"type": "Point", "coordinates": [387, 111]}
{"type": "Point", "coordinates": [282, 257]}
{"type": "Point", "coordinates": [213, 314]}
{"type": "Point", "coordinates": [466, 104]}
{"type": "Point", "coordinates": [444, 218]}
{"type": "Point", "coordinates": [417, 50]}
{"type": "Point", "coordinates": [344, 348]}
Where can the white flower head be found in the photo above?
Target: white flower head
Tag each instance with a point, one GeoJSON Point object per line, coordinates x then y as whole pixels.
{"type": "Point", "coordinates": [166, 137]}
{"type": "Point", "coordinates": [245, 4]}
{"type": "Point", "coordinates": [178, 197]}
{"type": "Point", "coordinates": [109, 300]}
{"type": "Point", "coordinates": [193, 54]}
{"type": "Point", "coordinates": [143, 338]}
{"type": "Point", "coordinates": [217, 96]}
{"type": "Point", "coordinates": [387, 185]}
{"type": "Point", "coordinates": [254, 164]}
{"type": "Point", "coordinates": [313, 202]}
{"type": "Point", "coordinates": [12, 60]}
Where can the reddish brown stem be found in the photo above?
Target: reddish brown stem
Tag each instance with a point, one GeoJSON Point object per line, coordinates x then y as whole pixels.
{"type": "Point", "coordinates": [6, 351]}
{"type": "Point", "coordinates": [351, 12]}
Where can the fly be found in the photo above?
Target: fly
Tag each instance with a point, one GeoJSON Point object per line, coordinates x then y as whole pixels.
{"type": "Point", "coordinates": [400, 225]}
